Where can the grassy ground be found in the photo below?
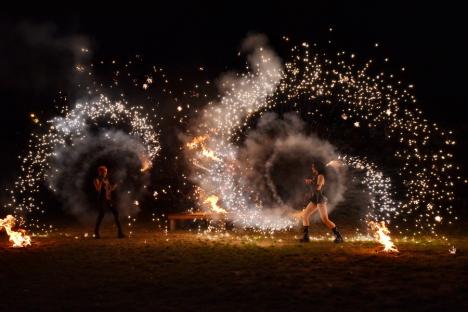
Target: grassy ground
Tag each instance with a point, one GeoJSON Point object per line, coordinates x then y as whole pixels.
{"type": "Point", "coordinates": [182, 271]}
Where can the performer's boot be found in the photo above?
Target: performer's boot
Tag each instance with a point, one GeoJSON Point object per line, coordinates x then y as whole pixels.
{"type": "Point", "coordinates": [120, 233]}
{"type": "Point", "coordinates": [98, 224]}
{"type": "Point", "coordinates": [305, 238]}
{"type": "Point", "coordinates": [338, 237]}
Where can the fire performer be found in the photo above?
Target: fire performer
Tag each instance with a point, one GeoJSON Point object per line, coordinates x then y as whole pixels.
{"type": "Point", "coordinates": [317, 201]}
{"type": "Point", "coordinates": [104, 190]}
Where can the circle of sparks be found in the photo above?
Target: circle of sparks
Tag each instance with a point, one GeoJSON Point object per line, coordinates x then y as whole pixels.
{"type": "Point", "coordinates": [36, 164]}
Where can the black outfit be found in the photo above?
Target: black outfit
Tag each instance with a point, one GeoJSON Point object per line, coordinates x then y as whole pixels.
{"type": "Point", "coordinates": [105, 202]}
{"type": "Point", "coordinates": [317, 196]}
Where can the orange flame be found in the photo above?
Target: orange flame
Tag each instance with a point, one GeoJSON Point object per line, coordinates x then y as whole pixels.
{"type": "Point", "coordinates": [145, 164]}
{"type": "Point", "coordinates": [381, 234]}
{"type": "Point", "coordinates": [17, 238]}
{"type": "Point", "coordinates": [213, 201]}
{"type": "Point", "coordinates": [199, 141]}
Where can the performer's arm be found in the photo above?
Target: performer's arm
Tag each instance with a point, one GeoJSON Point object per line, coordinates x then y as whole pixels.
{"type": "Point", "coordinates": [308, 181]}
{"type": "Point", "coordinates": [97, 184]}
{"type": "Point", "coordinates": [320, 182]}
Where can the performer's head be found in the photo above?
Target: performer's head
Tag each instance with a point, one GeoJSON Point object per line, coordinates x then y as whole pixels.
{"type": "Point", "coordinates": [102, 170]}
{"type": "Point", "coordinates": [317, 168]}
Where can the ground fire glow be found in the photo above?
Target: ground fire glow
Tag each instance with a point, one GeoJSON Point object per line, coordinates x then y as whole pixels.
{"type": "Point", "coordinates": [381, 234]}
{"type": "Point", "coordinates": [18, 238]}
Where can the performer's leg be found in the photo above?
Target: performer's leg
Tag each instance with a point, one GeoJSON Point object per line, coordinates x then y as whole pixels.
{"type": "Point", "coordinates": [323, 210]}
{"type": "Point", "coordinates": [324, 216]}
{"type": "Point", "coordinates": [310, 209]}
{"type": "Point", "coordinates": [99, 219]}
{"type": "Point", "coordinates": [117, 221]}
{"type": "Point", "coordinates": [307, 212]}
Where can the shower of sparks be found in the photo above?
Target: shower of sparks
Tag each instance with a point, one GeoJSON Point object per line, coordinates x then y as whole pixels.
{"type": "Point", "coordinates": [379, 101]}
{"type": "Point", "coordinates": [329, 90]}
{"type": "Point", "coordinates": [69, 127]}
{"type": "Point", "coordinates": [213, 153]}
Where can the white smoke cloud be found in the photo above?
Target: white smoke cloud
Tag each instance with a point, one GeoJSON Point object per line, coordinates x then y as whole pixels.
{"type": "Point", "coordinates": [74, 166]}
{"type": "Point", "coordinates": [247, 178]}
{"type": "Point", "coordinates": [280, 154]}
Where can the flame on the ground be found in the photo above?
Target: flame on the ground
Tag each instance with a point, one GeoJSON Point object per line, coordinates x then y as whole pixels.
{"type": "Point", "coordinates": [213, 201]}
{"type": "Point", "coordinates": [17, 238]}
{"type": "Point", "coordinates": [381, 234]}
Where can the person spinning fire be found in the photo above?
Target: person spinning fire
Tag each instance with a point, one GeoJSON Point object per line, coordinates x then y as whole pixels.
{"type": "Point", "coordinates": [104, 191]}
{"type": "Point", "coordinates": [317, 201]}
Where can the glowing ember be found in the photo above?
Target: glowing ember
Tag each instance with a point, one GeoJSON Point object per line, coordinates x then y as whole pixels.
{"type": "Point", "coordinates": [145, 164]}
{"type": "Point", "coordinates": [17, 238]}
{"type": "Point", "coordinates": [213, 201]}
{"type": "Point", "coordinates": [381, 234]}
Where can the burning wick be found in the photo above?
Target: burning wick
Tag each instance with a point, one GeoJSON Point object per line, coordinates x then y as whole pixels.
{"type": "Point", "coordinates": [17, 238]}
{"type": "Point", "coordinates": [381, 234]}
{"type": "Point", "coordinates": [453, 250]}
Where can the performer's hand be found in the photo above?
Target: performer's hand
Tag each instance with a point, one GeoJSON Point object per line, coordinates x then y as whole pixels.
{"type": "Point", "coordinates": [308, 181]}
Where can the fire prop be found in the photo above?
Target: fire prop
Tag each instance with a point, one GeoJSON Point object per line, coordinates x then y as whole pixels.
{"type": "Point", "coordinates": [17, 238]}
{"type": "Point", "coordinates": [381, 234]}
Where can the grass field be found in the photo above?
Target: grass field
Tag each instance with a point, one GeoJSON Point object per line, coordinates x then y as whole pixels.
{"type": "Point", "coordinates": [183, 271]}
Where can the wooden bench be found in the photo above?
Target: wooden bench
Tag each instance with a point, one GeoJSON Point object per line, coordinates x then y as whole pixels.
{"type": "Point", "coordinates": [206, 216]}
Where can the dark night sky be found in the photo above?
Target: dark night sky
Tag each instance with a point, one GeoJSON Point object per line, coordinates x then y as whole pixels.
{"type": "Point", "coordinates": [429, 40]}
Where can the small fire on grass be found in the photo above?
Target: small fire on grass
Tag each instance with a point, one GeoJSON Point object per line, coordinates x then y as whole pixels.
{"type": "Point", "coordinates": [381, 234]}
{"type": "Point", "coordinates": [17, 238]}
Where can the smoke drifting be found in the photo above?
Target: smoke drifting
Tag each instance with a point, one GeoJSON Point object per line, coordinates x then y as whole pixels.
{"type": "Point", "coordinates": [260, 181]}
{"type": "Point", "coordinates": [74, 166]}
{"type": "Point", "coordinates": [280, 153]}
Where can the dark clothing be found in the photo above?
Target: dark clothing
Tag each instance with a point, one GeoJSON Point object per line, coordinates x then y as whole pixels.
{"type": "Point", "coordinates": [105, 190]}
{"type": "Point", "coordinates": [102, 206]}
{"type": "Point", "coordinates": [317, 196]}
{"type": "Point", "coordinates": [104, 203]}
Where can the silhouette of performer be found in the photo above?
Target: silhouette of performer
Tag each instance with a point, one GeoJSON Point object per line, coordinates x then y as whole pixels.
{"type": "Point", "coordinates": [317, 201]}
{"type": "Point", "coordinates": [104, 191]}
